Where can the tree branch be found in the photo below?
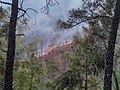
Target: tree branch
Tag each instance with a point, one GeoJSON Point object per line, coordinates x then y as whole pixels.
{"type": "Point", "coordinates": [72, 24]}
{"type": "Point", "coordinates": [116, 80]}
{"type": "Point", "coordinates": [25, 11]}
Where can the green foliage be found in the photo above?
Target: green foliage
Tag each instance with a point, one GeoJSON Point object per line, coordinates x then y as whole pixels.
{"type": "Point", "coordinates": [86, 61]}
{"type": "Point", "coordinates": [3, 43]}
{"type": "Point", "coordinates": [52, 66]}
{"type": "Point", "coordinates": [28, 68]}
{"type": "Point", "coordinates": [92, 12]}
{"type": "Point", "coordinates": [86, 56]}
{"type": "Point", "coordinates": [27, 75]}
{"type": "Point", "coordinates": [21, 69]}
{"type": "Point", "coordinates": [65, 81]}
{"type": "Point", "coordinates": [85, 64]}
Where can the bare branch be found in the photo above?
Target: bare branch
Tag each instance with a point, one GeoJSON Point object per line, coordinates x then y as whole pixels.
{"type": "Point", "coordinates": [46, 8]}
{"type": "Point", "coordinates": [5, 3]}
{"type": "Point", "coordinates": [3, 35]}
{"type": "Point", "coordinates": [24, 11]}
{"type": "Point", "coordinates": [3, 50]}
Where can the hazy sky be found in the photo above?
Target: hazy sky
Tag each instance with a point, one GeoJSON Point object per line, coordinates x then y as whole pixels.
{"type": "Point", "coordinates": [43, 26]}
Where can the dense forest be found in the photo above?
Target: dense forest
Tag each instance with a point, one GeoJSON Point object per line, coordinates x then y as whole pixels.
{"type": "Point", "coordinates": [89, 59]}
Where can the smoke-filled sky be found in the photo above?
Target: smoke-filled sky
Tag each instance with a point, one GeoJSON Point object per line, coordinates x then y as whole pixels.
{"type": "Point", "coordinates": [42, 26]}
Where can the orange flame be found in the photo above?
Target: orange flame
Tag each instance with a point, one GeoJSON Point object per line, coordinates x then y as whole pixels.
{"type": "Point", "coordinates": [67, 42]}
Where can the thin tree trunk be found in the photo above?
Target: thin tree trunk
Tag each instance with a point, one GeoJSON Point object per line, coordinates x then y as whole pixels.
{"type": "Point", "coordinates": [116, 80]}
{"type": "Point", "coordinates": [111, 46]}
{"type": "Point", "coordinates": [86, 74]}
{"type": "Point", "coordinates": [11, 47]}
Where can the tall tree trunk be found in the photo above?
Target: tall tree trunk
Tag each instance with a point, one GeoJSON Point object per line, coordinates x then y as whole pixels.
{"type": "Point", "coordinates": [111, 46]}
{"type": "Point", "coordinates": [11, 47]}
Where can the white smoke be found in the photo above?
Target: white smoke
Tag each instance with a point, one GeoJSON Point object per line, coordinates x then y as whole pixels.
{"type": "Point", "coordinates": [43, 26]}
